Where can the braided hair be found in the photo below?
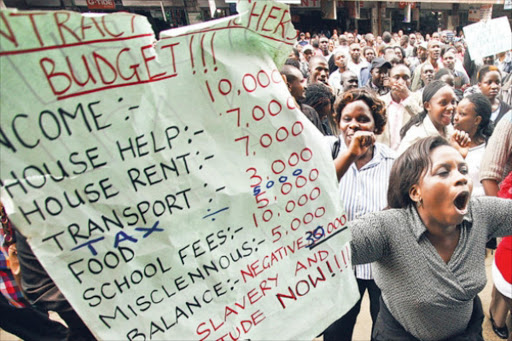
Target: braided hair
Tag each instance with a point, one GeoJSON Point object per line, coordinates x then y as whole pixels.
{"type": "Point", "coordinates": [483, 108]}
{"type": "Point", "coordinates": [430, 90]}
{"type": "Point", "coordinates": [318, 95]}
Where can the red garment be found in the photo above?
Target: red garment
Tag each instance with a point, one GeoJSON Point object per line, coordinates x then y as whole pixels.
{"type": "Point", "coordinates": [8, 286]}
{"type": "Point", "coordinates": [503, 256]}
{"type": "Point", "coordinates": [506, 187]}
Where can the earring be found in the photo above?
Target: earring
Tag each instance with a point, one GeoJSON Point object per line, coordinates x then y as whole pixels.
{"type": "Point", "coordinates": [419, 203]}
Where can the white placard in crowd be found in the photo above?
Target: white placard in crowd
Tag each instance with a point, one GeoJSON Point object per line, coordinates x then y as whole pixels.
{"type": "Point", "coordinates": [487, 38]}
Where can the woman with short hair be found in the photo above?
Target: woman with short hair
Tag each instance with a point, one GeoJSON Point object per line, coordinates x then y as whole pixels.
{"type": "Point", "coordinates": [363, 168]}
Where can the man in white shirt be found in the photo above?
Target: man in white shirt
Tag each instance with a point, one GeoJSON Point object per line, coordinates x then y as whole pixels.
{"type": "Point", "coordinates": [340, 60]}
{"type": "Point", "coordinates": [401, 105]}
{"type": "Point", "coordinates": [324, 46]}
{"type": "Point", "coordinates": [356, 63]}
{"type": "Point", "coordinates": [318, 70]}
{"type": "Point", "coordinates": [348, 81]}
{"type": "Point", "coordinates": [434, 54]}
{"type": "Point", "coordinates": [427, 76]}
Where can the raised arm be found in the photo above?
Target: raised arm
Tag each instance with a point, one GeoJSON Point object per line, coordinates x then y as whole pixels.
{"type": "Point", "coordinates": [361, 142]}
{"type": "Point", "coordinates": [498, 215]}
{"type": "Point", "coordinates": [491, 187]}
{"type": "Point", "coordinates": [460, 140]}
{"type": "Point", "coordinates": [369, 239]}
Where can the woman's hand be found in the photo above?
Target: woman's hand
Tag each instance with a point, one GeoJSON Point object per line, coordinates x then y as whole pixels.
{"type": "Point", "coordinates": [361, 142]}
{"type": "Point", "coordinates": [461, 141]}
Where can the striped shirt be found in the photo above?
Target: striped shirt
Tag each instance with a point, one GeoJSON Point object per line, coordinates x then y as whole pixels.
{"type": "Point", "coordinates": [365, 190]}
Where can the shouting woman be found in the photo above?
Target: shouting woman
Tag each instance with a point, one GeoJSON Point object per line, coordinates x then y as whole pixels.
{"type": "Point", "coordinates": [429, 248]}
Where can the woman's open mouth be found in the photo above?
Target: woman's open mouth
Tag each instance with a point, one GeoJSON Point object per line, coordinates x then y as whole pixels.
{"type": "Point", "coordinates": [461, 202]}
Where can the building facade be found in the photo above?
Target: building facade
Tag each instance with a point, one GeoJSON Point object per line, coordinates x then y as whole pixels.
{"type": "Point", "coordinates": [307, 15]}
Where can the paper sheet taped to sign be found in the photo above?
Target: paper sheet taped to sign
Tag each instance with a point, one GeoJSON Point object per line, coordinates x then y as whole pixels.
{"type": "Point", "coordinates": [171, 188]}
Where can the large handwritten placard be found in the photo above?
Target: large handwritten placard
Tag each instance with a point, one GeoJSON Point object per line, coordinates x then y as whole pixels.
{"type": "Point", "coordinates": [487, 38]}
{"type": "Point", "coordinates": [171, 188]}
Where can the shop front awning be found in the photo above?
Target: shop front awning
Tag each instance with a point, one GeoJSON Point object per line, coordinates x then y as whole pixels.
{"type": "Point", "coordinates": [317, 3]}
{"type": "Point", "coordinates": [151, 3]}
{"type": "Point", "coordinates": [471, 2]}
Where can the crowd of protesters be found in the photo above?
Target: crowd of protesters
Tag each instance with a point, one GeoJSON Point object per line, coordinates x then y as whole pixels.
{"type": "Point", "coordinates": [403, 114]}
{"type": "Point", "coordinates": [380, 97]}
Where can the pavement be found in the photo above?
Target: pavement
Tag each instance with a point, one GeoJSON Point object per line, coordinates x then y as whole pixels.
{"type": "Point", "coordinates": [363, 325]}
